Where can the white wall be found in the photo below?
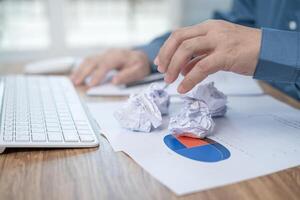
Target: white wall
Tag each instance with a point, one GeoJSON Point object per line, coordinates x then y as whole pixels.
{"type": "Point", "coordinates": [182, 13]}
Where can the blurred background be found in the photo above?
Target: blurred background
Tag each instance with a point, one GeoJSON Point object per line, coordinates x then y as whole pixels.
{"type": "Point", "coordinates": [37, 29]}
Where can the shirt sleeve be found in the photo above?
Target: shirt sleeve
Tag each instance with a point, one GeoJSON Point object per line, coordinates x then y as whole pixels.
{"type": "Point", "coordinates": [279, 59]}
{"type": "Point", "coordinates": [279, 56]}
{"type": "Point", "coordinates": [152, 49]}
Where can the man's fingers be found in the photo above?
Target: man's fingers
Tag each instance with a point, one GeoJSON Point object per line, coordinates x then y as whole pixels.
{"type": "Point", "coordinates": [127, 75]}
{"type": "Point", "coordinates": [176, 38]}
{"type": "Point", "coordinates": [185, 52]}
{"type": "Point", "coordinates": [83, 71]}
{"type": "Point", "coordinates": [104, 67]}
{"type": "Point", "coordinates": [201, 70]}
{"type": "Point", "coordinates": [98, 67]}
{"type": "Point", "coordinates": [75, 74]}
{"type": "Point", "coordinates": [98, 76]}
{"type": "Point", "coordinates": [186, 69]}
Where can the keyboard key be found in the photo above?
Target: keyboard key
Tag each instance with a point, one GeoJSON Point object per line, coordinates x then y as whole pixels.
{"type": "Point", "coordinates": [22, 138]}
{"type": "Point", "coordinates": [64, 120]}
{"type": "Point", "coordinates": [51, 124]}
{"type": "Point", "coordinates": [84, 132]}
{"type": "Point", "coordinates": [39, 137]}
{"type": "Point", "coordinates": [69, 128]}
{"type": "Point", "coordinates": [19, 123]}
{"type": "Point", "coordinates": [55, 138]}
{"type": "Point", "coordinates": [8, 126]}
{"type": "Point", "coordinates": [22, 132]}
{"type": "Point", "coordinates": [22, 128]}
{"type": "Point", "coordinates": [37, 126]}
{"type": "Point", "coordinates": [70, 132]}
{"type": "Point", "coordinates": [67, 123]}
{"type": "Point", "coordinates": [38, 130]}
{"type": "Point", "coordinates": [37, 121]}
{"type": "Point", "coordinates": [8, 138]}
{"type": "Point", "coordinates": [53, 129]}
{"type": "Point", "coordinates": [71, 138]}
{"type": "Point", "coordinates": [52, 120]}
{"type": "Point", "coordinates": [8, 132]}
{"type": "Point", "coordinates": [87, 138]}
{"type": "Point", "coordinates": [11, 129]}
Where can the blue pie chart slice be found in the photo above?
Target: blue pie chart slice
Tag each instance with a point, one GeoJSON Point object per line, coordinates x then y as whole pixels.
{"type": "Point", "coordinates": [205, 150]}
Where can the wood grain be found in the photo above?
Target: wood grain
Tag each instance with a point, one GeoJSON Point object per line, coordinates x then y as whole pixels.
{"type": "Point", "coordinates": [100, 173]}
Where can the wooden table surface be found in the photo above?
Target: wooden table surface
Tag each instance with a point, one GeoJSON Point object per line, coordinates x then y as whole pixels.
{"type": "Point", "coordinates": [100, 173]}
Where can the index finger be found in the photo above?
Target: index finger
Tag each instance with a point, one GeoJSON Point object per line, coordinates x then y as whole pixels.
{"type": "Point", "coordinates": [172, 43]}
{"type": "Point", "coordinates": [208, 65]}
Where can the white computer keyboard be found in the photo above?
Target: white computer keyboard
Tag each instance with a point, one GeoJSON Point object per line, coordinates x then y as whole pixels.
{"type": "Point", "coordinates": [39, 111]}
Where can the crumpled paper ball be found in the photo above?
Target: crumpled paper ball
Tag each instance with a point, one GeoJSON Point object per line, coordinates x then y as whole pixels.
{"type": "Point", "coordinates": [144, 110]}
{"type": "Point", "coordinates": [200, 104]}
{"type": "Point", "coordinates": [215, 99]}
{"type": "Point", "coordinates": [194, 120]}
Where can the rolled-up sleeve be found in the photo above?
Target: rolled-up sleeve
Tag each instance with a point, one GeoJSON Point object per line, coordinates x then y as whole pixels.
{"type": "Point", "coordinates": [279, 58]}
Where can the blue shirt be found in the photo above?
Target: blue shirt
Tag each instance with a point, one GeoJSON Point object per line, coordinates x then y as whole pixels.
{"type": "Point", "coordinates": [279, 59]}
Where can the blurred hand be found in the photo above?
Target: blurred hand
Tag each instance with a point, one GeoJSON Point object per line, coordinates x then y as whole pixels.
{"type": "Point", "coordinates": [206, 48]}
{"type": "Point", "coordinates": [132, 66]}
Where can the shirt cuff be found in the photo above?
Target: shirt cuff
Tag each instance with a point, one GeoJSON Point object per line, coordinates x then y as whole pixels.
{"type": "Point", "coordinates": [279, 56]}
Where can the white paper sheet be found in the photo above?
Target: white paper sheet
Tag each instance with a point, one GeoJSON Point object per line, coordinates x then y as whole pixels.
{"type": "Point", "coordinates": [228, 83]}
{"type": "Point", "coordinates": [261, 134]}
{"type": "Point", "coordinates": [234, 85]}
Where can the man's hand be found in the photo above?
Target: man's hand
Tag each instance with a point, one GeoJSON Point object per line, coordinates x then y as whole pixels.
{"type": "Point", "coordinates": [132, 66]}
{"type": "Point", "coordinates": [206, 48]}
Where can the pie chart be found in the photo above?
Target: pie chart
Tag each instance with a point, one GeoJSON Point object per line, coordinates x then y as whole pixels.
{"type": "Point", "coordinates": [205, 150]}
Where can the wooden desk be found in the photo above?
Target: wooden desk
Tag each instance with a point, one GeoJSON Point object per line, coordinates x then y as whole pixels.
{"type": "Point", "coordinates": [100, 173]}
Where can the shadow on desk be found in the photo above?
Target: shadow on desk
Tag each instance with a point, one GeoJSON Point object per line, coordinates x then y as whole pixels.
{"type": "Point", "coordinates": [69, 151]}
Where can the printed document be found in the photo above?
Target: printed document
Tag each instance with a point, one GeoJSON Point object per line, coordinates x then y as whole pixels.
{"type": "Point", "coordinates": [227, 82]}
{"type": "Point", "coordinates": [257, 136]}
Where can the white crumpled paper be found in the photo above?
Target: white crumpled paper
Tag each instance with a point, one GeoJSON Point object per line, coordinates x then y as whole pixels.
{"type": "Point", "coordinates": [215, 99]}
{"type": "Point", "coordinates": [194, 120]}
{"type": "Point", "coordinates": [201, 104]}
{"type": "Point", "coordinates": [160, 97]}
{"type": "Point", "coordinates": [144, 110]}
